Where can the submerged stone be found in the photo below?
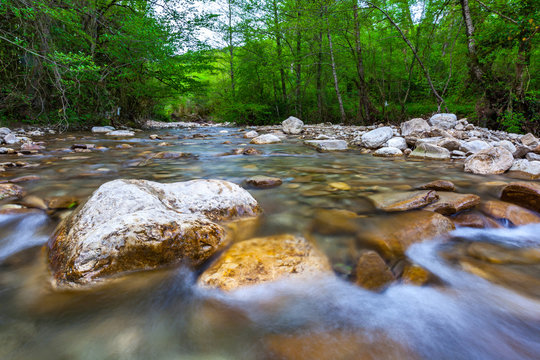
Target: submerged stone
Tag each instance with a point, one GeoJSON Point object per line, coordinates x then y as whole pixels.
{"type": "Point", "coordinates": [262, 260]}
{"type": "Point", "coordinates": [372, 272]}
{"type": "Point", "coordinates": [403, 201]}
{"type": "Point", "coordinates": [524, 194]}
{"type": "Point", "coordinates": [264, 182]}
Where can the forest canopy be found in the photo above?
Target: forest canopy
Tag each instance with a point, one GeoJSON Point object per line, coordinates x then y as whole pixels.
{"type": "Point", "coordinates": [356, 62]}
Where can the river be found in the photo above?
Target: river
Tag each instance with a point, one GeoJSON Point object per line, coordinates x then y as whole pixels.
{"type": "Point", "coordinates": [475, 309]}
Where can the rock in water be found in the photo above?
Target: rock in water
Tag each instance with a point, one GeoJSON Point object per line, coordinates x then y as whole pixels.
{"type": "Point", "coordinates": [429, 151]}
{"type": "Point", "coordinates": [525, 169]}
{"type": "Point", "coordinates": [494, 160]}
{"type": "Point", "coordinates": [251, 134]}
{"type": "Point", "coordinates": [371, 271]}
{"type": "Point", "coordinates": [376, 138]}
{"type": "Point", "coordinates": [392, 236]}
{"type": "Point", "coordinates": [450, 203]}
{"type": "Point", "coordinates": [10, 191]}
{"type": "Point", "coordinates": [524, 194]}
{"type": "Point", "coordinates": [121, 133]}
{"type": "Point", "coordinates": [397, 142]}
{"type": "Point", "coordinates": [263, 182]}
{"type": "Point", "coordinates": [509, 212]}
{"type": "Point", "coordinates": [267, 259]}
{"type": "Point", "coordinates": [388, 152]}
{"type": "Point", "coordinates": [444, 121]}
{"type": "Point", "coordinates": [129, 225]}
{"type": "Point", "coordinates": [414, 127]}
{"type": "Point", "coordinates": [266, 139]}
{"type": "Point", "coordinates": [403, 201]}
{"type": "Point", "coordinates": [440, 185]}
{"type": "Point", "coordinates": [292, 126]}
{"type": "Point", "coordinates": [102, 129]}
{"type": "Point", "coordinates": [328, 145]}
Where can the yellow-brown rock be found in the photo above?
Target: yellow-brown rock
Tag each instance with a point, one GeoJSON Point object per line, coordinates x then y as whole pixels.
{"type": "Point", "coordinates": [450, 203]}
{"type": "Point", "coordinates": [266, 259]}
{"type": "Point", "coordinates": [524, 194]}
{"type": "Point", "coordinates": [392, 235]}
{"type": "Point", "coordinates": [439, 185]}
{"type": "Point", "coordinates": [371, 271]}
{"type": "Point", "coordinates": [415, 275]}
{"type": "Point", "coordinates": [403, 201]}
{"type": "Point", "coordinates": [335, 222]}
{"type": "Point", "coordinates": [339, 345]}
{"type": "Point", "coordinates": [475, 219]}
{"type": "Point", "coordinates": [510, 212]}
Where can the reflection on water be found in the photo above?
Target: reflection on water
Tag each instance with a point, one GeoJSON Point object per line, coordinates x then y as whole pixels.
{"type": "Point", "coordinates": [473, 312]}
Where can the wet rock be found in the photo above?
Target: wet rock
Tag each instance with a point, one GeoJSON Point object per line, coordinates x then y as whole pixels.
{"type": "Point", "coordinates": [403, 201]}
{"type": "Point", "coordinates": [4, 150]}
{"type": "Point", "coordinates": [328, 145]}
{"type": "Point", "coordinates": [509, 212]}
{"type": "Point", "coordinates": [376, 138]}
{"type": "Point", "coordinates": [251, 134]}
{"type": "Point", "coordinates": [474, 219]}
{"type": "Point", "coordinates": [172, 155]}
{"type": "Point", "coordinates": [33, 201]}
{"type": "Point", "coordinates": [336, 346]}
{"type": "Point", "coordinates": [122, 146]}
{"type": "Point", "coordinates": [474, 146]}
{"type": "Point", "coordinates": [439, 185]}
{"type": "Point", "coordinates": [251, 151]}
{"type": "Point", "coordinates": [25, 178]}
{"type": "Point", "coordinates": [262, 260]}
{"type": "Point", "coordinates": [8, 191]}
{"type": "Point", "coordinates": [414, 127]}
{"type": "Point", "coordinates": [430, 152]}
{"type": "Point", "coordinates": [444, 121]}
{"type": "Point", "coordinates": [494, 160]}
{"type": "Point", "coordinates": [292, 126]}
{"type": "Point", "coordinates": [102, 129]}
{"type": "Point", "coordinates": [397, 142]}
{"type": "Point", "coordinates": [529, 140]}
{"type": "Point", "coordinates": [62, 202]}
{"type": "Point", "coordinates": [335, 222]}
{"type": "Point", "coordinates": [497, 254]}
{"type": "Point", "coordinates": [525, 169]}
{"type": "Point", "coordinates": [263, 182]}
{"type": "Point", "coordinates": [415, 275]}
{"type": "Point", "coordinates": [372, 272]}
{"type": "Point", "coordinates": [30, 146]}
{"type": "Point", "coordinates": [340, 185]}
{"type": "Point", "coordinates": [266, 139]}
{"type": "Point", "coordinates": [153, 136]}
{"type": "Point", "coordinates": [121, 133]}
{"type": "Point", "coordinates": [388, 152]}
{"type": "Point", "coordinates": [450, 203]}
{"type": "Point", "coordinates": [392, 236]}
{"type": "Point", "coordinates": [524, 194]}
{"type": "Point", "coordinates": [129, 225]}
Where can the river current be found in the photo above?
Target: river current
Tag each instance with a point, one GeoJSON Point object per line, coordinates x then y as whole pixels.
{"type": "Point", "coordinates": [475, 310]}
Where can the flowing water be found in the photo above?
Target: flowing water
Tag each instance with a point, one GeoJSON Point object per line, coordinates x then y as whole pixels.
{"type": "Point", "coordinates": [477, 309]}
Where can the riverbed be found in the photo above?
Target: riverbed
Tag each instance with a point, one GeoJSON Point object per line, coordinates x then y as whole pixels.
{"type": "Point", "coordinates": [162, 314]}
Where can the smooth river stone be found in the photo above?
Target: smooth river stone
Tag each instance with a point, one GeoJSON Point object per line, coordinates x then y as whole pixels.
{"type": "Point", "coordinates": [266, 139]}
{"type": "Point", "coordinates": [430, 152]}
{"type": "Point", "coordinates": [393, 235]}
{"type": "Point", "coordinates": [262, 260]}
{"type": "Point", "coordinates": [263, 182]}
{"type": "Point", "coordinates": [372, 272]}
{"type": "Point", "coordinates": [494, 160]}
{"type": "Point", "coordinates": [524, 194]}
{"type": "Point", "coordinates": [335, 222]}
{"type": "Point", "coordinates": [403, 201]}
{"type": "Point", "coordinates": [510, 212]}
{"type": "Point", "coordinates": [439, 185]}
{"type": "Point", "coordinates": [10, 191]}
{"type": "Point", "coordinates": [450, 203]}
{"type": "Point", "coordinates": [328, 145]}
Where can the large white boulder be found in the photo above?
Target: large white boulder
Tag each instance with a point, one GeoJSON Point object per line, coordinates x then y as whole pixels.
{"type": "Point", "coordinates": [414, 127]}
{"type": "Point", "coordinates": [292, 125]}
{"type": "Point", "coordinates": [129, 225]}
{"type": "Point", "coordinates": [266, 139]}
{"type": "Point", "coordinates": [495, 160]}
{"type": "Point", "coordinates": [444, 121]}
{"type": "Point", "coordinates": [376, 138]}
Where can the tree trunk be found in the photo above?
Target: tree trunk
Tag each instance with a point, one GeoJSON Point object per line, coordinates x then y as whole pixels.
{"type": "Point", "coordinates": [474, 66]}
{"type": "Point", "coordinates": [298, 67]}
{"type": "Point", "coordinates": [231, 51]}
{"type": "Point", "coordinates": [364, 104]}
{"type": "Point", "coordinates": [277, 33]}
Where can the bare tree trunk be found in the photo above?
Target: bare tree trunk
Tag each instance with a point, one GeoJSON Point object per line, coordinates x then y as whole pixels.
{"type": "Point", "coordinates": [474, 66]}
{"type": "Point", "coordinates": [334, 72]}
{"type": "Point", "coordinates": [298, 63]}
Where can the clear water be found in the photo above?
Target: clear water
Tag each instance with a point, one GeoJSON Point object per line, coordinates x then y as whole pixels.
{"type": "Point", "coordinates": [468, 314]}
